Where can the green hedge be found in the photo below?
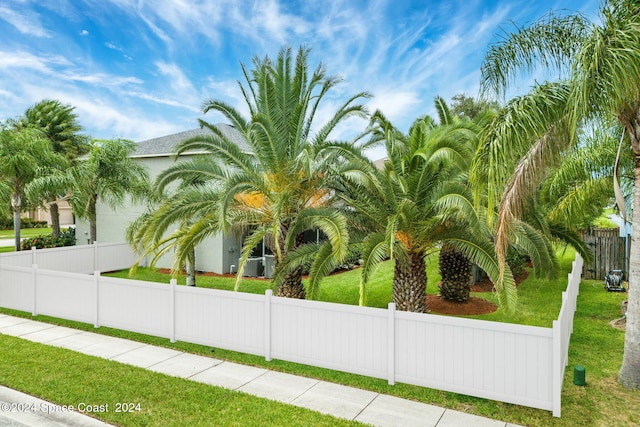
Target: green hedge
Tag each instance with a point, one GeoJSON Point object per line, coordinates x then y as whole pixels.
{"type": "Point", "coordinates": [7, 223]}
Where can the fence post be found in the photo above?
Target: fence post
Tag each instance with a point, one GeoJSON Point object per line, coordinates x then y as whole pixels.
{"type": "Point", "coordinates": [96, 281]}
{"type": "Point", "coordinates": [172, 284]}
{"type": "Point", "coordinates": [267, 324]}
{"type": "Point", "coordinates": [557, 367]}
{"type": "Point", "coordinates": [33, 255]}
{"type": "Point", "coordinates": [34, 284]}
{"type": "Point", "coordinates": [96, 265]}
{"type": "Point", "coordinates": [391, 343]}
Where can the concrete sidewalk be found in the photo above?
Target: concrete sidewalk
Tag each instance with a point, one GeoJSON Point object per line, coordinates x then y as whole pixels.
{"type": "Point", "coordinates": [328, 398]}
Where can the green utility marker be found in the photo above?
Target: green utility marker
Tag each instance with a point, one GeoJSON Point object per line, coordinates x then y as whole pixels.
{"type": "Point", "coordinates": [579, 375]}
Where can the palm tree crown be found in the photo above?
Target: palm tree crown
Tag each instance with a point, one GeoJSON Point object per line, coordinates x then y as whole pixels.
{"type": "Point", "coordinates": [277, 185]}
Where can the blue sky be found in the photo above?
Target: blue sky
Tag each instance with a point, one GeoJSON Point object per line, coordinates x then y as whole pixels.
{"type": "Point", "coordinates": [140, 69]}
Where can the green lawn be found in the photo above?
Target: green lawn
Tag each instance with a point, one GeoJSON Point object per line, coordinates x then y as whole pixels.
{"type": "Point", "coordinates": [25, 232]}
{"type": "Point", "coordinates": [595, 345]}
{"type": "Point", "coordinates": [69, 378]}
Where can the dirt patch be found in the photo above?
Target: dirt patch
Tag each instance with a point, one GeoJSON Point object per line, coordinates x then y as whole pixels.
{"type": "Point", "coordinates": [473, 305]}
{"type": "Point", "coordinates": [620, 323]}
{"type": "Point", "coordinates": [486, 285]}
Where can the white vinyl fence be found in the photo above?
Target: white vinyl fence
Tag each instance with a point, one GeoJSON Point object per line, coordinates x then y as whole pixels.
{"type": "Point", "coordinates": [517, 364]}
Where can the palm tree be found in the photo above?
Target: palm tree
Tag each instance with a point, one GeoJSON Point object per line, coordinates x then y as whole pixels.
{"type": "Point", "coordinates": [276, 187]}
{"type": "Point", "coordinates": [195, 195]}
{"type": "Point", "coordinates": [602, 65]}
{"type": "Point", "coordinates": [107, 174]}
{"type": "Point", "coordinates": [414, 203]}
{"type": "Point", "coordinates": [60, 125]}
{"type": "Point", "coordinates": [25, 154]}
{"type": "Point", "coordinates": [454, 266]}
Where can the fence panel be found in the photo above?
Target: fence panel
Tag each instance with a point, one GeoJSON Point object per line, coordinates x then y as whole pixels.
{"type": "Point", "coordinates": [506, 362]}
{"type": "Point", "coordinates": [335, 336]}
{"type": "Point", "coordinates": [16, 259]}
{"type": "Point", "coordinates": [16, 287]}
{"type": "Point", "coordinates": [134, 305]}
{"type": "Point", "coordinates": [73, 259]}
{"type": "Point", "coordinates": [230, 320]}
{"type": "Point", "coordinates": [65, 295]}
{"type": "Point", "coordinates": [115, 256]}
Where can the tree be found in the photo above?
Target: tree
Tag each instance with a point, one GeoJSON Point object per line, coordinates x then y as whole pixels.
{"type": "Point", "coordinates": [413, 204]}
{"type": "Point", "coordinates": [25, 154]}
{"type": "Point", "coordinates": [464, 106]}
{"type": "Point", "coordinates": [601, 63]}
{"type": "Point", "coordinates": [59, 124]}
{"type": "Point", "coordinates": [276, 187]}
{"type": "Point", "coordinates": [107, 174]}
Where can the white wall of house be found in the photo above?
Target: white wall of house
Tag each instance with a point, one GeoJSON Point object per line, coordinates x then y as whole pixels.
{"type": "Point", "coordinates": [217, 254]}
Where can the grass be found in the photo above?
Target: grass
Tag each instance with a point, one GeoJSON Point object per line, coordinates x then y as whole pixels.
{"type": "Point", "coordinates": [69, 378]}
{"type": "Point", "coordinates": [7, 249]}
{"type": "Point", "coordinates": [595, 345]}
{"type": "Point", "coordinates": [603, 221]}
{"type": "Point", "coordinates": [25, 232]}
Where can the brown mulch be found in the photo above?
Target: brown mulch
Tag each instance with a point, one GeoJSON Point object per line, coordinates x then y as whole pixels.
{"type": "Point", "coordinates": [473, 305]}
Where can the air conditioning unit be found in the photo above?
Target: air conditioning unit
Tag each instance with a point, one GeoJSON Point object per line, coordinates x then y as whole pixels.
{"type": "Point", "coordinates": [269, 266]}
{"type": "Point", "coordinates": [253, 267]}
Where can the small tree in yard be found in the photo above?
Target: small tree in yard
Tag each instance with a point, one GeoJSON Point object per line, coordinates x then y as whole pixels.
{"type": "Point", "coordinates": [26, 154]}
{"type": "Point", "coordinates": [107, 174]}
{"type": "Point", "coordinates": [59, 124]}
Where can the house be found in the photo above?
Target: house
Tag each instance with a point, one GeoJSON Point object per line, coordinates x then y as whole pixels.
{"type": "Point", "coordinates": [218, 254]}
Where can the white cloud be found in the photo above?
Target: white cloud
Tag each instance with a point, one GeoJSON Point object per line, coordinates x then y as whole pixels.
{"type": "Point", "coordinates": [26, 22]}
{"type": "Point", "coordinates": [394, 104]}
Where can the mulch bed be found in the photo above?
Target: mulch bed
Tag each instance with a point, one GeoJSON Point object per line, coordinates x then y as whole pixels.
{"type": "Point", "coordinates": [473, 305]}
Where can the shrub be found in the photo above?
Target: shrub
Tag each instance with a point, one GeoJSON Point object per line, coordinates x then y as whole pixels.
{"type": "Point", "coordinates": [67, 238]}
{"type": "Point", "coordinates": [30, 223]}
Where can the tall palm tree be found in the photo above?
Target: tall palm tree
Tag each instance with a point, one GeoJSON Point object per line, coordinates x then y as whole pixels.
{"type": "Point", "coordinates": [276, 186]}
{"type": "Point", "coordinates": [59, 124]}
{"type": "Point", "coordinates": [414, 203]}
{"type": "Point", "coordinates": [107, 174]}
{"type": "Point", "coordinates": [26, 154]}
{"type": "Point", "coordinates": [602, 69]}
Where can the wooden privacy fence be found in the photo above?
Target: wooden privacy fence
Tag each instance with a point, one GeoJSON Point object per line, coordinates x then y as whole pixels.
{"type": "Point", "coordinates": [609, 252]}
{"type": "Point", "coordinates": [517, 364]}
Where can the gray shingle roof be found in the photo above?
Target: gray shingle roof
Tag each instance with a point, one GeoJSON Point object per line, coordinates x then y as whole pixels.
{"type": "Point", "coordinates": [165, 146]}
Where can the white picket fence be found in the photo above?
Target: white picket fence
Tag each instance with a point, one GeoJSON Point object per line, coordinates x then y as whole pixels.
{"type": "Point", "coordinates": [517, 364]}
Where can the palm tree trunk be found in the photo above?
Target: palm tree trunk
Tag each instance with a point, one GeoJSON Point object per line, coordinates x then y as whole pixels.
{"type": "Point", "coordinates": [191, 268]}
{"type": "Point", "coordinates": [54, 212]}
{"type": "Point", "coordinates": [292, 286]}
{"type": "Point", "coordinates": [410, 284]}
{"type": "Point", "coordinates": [16, 204]}
{"type": "Point", "coordinates": [629, 375]}
{"type": "Point", "coordinates": [455, 269]}
{"type": "Point", "coordinates": [93, 228]}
